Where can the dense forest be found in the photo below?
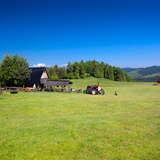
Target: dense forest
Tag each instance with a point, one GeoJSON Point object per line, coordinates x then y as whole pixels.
{"type": "Point", "coordinates": [14, 71]}
{"type": "Point", "coordinates": [84, 69]}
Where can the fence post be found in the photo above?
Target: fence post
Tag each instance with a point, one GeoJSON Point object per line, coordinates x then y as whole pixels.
{"type": "Point", "coordinates": [0, 89]}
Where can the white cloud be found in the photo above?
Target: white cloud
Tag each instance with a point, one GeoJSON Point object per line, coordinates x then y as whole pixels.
{"type": "Point", "coordinates": [39, 65]}
{"type": "Point", "coordinates": [63, 65]}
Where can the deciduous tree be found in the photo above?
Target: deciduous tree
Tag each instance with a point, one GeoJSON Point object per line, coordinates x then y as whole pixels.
{"type": "Point", "coordinates": [14, 71]}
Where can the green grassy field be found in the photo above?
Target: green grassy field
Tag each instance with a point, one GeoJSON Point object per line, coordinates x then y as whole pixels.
{"type": "Point", "coordinates": [62, 126]}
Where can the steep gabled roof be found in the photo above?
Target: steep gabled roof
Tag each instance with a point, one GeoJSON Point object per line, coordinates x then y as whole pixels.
{"type": "Point", "coordinates": [36, 73]}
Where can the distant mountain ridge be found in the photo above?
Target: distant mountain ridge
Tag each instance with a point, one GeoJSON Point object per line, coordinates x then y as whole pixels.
{"type": "Point", "coordinates": [148, 74]}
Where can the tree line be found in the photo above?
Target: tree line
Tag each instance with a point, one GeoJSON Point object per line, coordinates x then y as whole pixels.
{"type": "Point", "coordinates": [85, 69]}
{"type": "Point", "coordinates": [14, 71]}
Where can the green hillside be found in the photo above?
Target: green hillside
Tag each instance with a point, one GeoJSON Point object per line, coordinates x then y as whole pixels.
{"type": "Point", "coordinates": [105, 83]}
{"type": "Point", "coordinates": [149, 74]}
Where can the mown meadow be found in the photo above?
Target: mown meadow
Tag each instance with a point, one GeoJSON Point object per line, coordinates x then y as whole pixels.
{"type": "Point", "coordinates": [75, 126]}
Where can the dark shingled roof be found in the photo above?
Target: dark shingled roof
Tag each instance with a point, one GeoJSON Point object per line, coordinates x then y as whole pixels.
{"type": "Point", "coordinates": [58, 83]}
{"type": "Point", "coordinates": [35, 77]}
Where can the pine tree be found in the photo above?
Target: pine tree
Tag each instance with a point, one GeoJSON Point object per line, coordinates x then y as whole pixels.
{"type": "Point", "coordinates": [90, 68]}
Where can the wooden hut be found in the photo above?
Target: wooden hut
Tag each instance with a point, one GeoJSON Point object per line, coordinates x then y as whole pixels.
{"type": "Point", "coordinates": [58, 85]}
{"type": "Point", "coordinates": [39, 79]}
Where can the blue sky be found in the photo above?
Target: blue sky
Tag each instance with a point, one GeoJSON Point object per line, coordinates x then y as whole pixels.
{"type": "Point", "coordinates": [124, 33]}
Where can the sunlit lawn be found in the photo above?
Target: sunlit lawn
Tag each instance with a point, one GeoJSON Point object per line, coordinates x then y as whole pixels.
{"type": "Point", "coordinates": [63, 126]}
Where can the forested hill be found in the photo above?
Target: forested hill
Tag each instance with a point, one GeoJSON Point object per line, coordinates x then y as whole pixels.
{"type": "Point", "coordinates": [84, 69]}
{"type": "Point", "coordinates": [149, 74]}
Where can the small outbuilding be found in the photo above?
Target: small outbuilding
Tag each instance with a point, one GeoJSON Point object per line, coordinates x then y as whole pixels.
{"type": "Point", "coordinates": [39, 78]}
{"type": "Point", "coordinates": [58, 85]}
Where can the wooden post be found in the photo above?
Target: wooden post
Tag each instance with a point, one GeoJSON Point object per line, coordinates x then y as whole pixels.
{"type": "Point", "coordinates": [0, 89]}
{"type": "Point", "coordinates": [98, 82]}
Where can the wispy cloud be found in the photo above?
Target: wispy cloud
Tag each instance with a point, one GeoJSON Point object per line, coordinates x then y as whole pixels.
{"type": "Point", "coordinates": [39, 65]}
{"type": "Point", "coordinates": [63, 65]}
